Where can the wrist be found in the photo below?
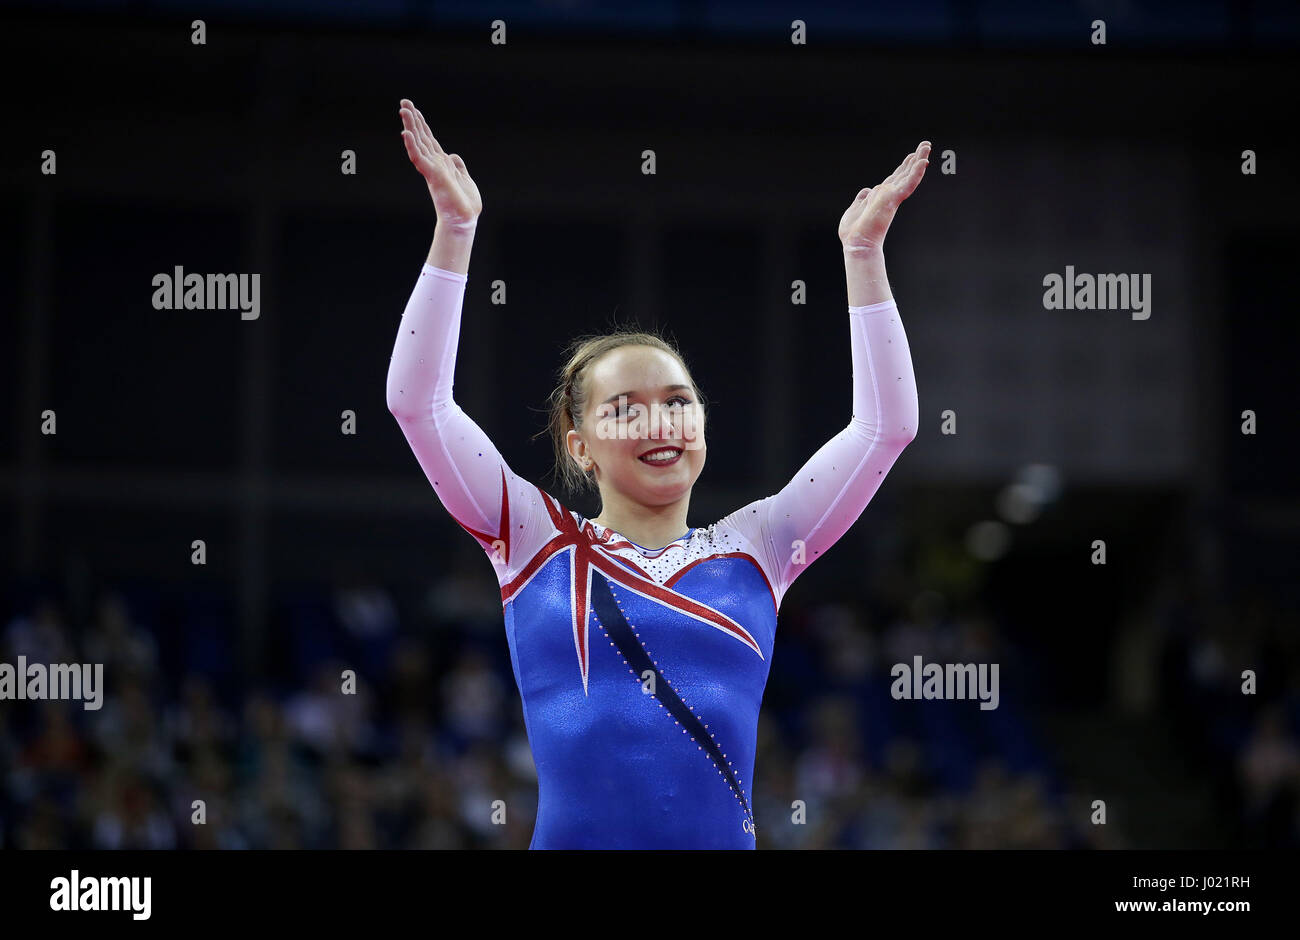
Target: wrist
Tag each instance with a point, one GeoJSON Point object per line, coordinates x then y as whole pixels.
{"type": "Point", "coordinates": [463, 229]}
{"type": "Point", "coordinates": [453, 242]}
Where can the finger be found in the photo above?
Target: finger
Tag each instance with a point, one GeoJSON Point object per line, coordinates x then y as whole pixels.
{"type": "Point", "coordinates": [901, 171]}
{"type": "Point", "coordinates": [416, 152]}
{"type": "Point", "coordinates": [918, 171]}
{"type": "Point", "coordinates": [429, 140]}
{"type": "Point", "coordinates": [432, 167]}
{"type": "Point", "coordinates": [422, 131]}
{"type": "Point", "coordinates": [460, 164]}
{"type": "Point", "coordinates": [412, 148]}
{"type": "Point", "coordinates": [412, 123]}
{"type": "Point", "coordinates": [855, 207]}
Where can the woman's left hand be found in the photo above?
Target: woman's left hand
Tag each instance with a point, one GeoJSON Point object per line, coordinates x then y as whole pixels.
{"type": "Point", "coordinates": [865, 222]}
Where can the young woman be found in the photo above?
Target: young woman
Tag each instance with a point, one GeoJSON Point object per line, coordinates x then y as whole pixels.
{"type": "Point", "coordinates": [640, 644]}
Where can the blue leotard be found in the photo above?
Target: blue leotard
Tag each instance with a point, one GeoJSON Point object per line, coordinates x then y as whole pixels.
{"type": "Point", "coordinates": [642, 670]}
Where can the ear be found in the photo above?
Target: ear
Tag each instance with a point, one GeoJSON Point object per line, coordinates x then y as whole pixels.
{"type": "Point", "coordinates": [576, 447]}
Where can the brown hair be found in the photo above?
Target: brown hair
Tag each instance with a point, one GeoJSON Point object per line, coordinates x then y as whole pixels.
{"type": "Point", "coordinates": [569, 398]}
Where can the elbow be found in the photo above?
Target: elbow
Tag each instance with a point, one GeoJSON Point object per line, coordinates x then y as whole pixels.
{"type": "Point", "coordinates": [400, 399]}
{"type": "Point", "coordinates": [903, 438]}
{"type": "Point", "coordinates": [896, 442]}
{"type": "Point", "coordinates": [398, 406]}
{"type": "Point", "coordinates": [416, 405]}
{"type": "Point", "coordinates": [907, 429]}
{"type": "Point", "coordinates": [402, 411]}
{"type": "Point", "coordinates": [891, 434]}
{"type": "Point", "coordinates": [902, 424]}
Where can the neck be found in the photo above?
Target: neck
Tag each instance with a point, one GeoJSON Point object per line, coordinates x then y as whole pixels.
{"type": "Point", "coordinates": [647, 526]}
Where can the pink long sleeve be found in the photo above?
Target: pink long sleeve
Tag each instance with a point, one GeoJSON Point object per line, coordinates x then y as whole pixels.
{"type": "Point", "coordinates": [786, 531]}
{"type": "Point", "coordinates": [793, 528]}
{"type": "Point", "coordinates": [467, 471]}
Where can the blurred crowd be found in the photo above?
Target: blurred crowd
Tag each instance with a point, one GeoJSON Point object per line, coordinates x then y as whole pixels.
{"type": "Point", "coordinates": [1228, 676]}
{"type": "Point", "coordinates": [184, 755]}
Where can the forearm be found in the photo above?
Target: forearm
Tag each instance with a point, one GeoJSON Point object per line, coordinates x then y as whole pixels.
{"type": "Point", "coordinates": [421, 369]}
{"type": "Point", "coordinates": [864, 271]}
{"type": "Point", "coordinates": [795, 526]}
{"type": "Point", "coordinates": [451, 246]}
{"type": "Point", "coordinates": [460, 461]}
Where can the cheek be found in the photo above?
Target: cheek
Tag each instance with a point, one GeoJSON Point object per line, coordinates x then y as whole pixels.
{"type": "Point", "coordinates": [692, 428]}
{"type": "Point", "coordinates": [610, 436]}
{"type": "Point", "coordinates": [693, 435]}
{"type": "Point", "coordinates": [615, 448]}
{"type": "Point", "coordinates": [696, 455]}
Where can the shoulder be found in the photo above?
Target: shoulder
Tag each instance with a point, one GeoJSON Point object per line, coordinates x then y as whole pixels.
{"type": "Point", "coordinates": [747, 523]}
{"type": "Point", "coordinates": [739, 531]}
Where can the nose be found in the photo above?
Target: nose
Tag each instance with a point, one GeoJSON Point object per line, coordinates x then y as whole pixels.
{"type": "Point", "coordinates": [662, 424]}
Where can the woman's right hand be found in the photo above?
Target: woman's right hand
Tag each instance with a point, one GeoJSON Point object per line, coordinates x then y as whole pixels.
{"type": "Point", "coordinates": [455, 197]}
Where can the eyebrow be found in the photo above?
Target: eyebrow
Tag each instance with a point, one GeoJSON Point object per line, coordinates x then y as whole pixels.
{"type": "Point", "coordinates": [666, 388]}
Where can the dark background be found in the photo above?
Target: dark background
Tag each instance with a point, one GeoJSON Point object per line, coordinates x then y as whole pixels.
{"type": "Point", "coordinates": [326, 551]}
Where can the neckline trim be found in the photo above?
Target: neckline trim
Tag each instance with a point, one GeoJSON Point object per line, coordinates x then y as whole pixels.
{"type": "Point", "coordinates": [605, 528]}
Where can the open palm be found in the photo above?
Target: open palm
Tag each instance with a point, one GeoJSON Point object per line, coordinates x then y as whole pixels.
{"type": "Point", "coordinates": [455, 197]}
{"type": "Point", "coordinates": [865, 222]}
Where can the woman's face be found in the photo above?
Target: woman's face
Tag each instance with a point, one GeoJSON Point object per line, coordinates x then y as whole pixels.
{"type": "Point", "coordinates": [640, 402]}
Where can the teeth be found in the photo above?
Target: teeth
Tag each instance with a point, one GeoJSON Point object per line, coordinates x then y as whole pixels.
{"type": "Point", "coordinates": [660, 457]}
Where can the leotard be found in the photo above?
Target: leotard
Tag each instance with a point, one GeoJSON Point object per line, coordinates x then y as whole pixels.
{"type": "Point", "coordinates": [641, 670]}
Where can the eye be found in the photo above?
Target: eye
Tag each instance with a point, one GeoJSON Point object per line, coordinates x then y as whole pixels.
{"type": "Point", "coordinates": [684, 401]}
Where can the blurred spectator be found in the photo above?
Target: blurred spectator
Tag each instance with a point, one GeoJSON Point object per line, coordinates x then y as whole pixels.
{"type": "Point", "coordinates": [42, 636]}
{"type": "Point", "coordinates": [1270, 773]}
{"type": "Point", "coordinates": [368, 614]}
{"type": "Point", "coordinates": [425, 746]}
{"type": "Point", "coordinates": [473, 698]}
{"type": "Point", "coordinates": [127, 651]}
{"type": "Point", "coordinates": [197, 723]}
{"type": "Point", "coordinates": [127, 732]}
{"type": "Point", "coordinates": [328, 720]}
{"type": "Point", "coordinates": [131, 817]}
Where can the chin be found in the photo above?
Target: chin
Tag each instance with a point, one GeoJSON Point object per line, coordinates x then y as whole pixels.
{"type": "Point", "coordinates": [664, 487]}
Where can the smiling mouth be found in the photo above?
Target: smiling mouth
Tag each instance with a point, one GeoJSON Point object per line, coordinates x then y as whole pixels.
{"type": "Point", "coordinates": [661, 456]}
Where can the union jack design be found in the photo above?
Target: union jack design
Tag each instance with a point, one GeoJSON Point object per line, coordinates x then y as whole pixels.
{"type": "Point", "coordinates": [587, 553]}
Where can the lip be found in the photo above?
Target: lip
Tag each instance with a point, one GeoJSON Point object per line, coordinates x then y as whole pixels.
{"type": "Point", "coordinates": [661, 463]}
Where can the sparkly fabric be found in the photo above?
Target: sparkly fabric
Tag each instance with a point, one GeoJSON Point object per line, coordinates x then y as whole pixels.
{"type": "Point", "coordinates": [642, 670]}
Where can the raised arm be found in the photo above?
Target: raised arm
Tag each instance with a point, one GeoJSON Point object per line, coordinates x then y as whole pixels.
{"type": "Point", "coordinates": [794, 527]}
{"type": "Point", "coordinates": [503, 511]}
